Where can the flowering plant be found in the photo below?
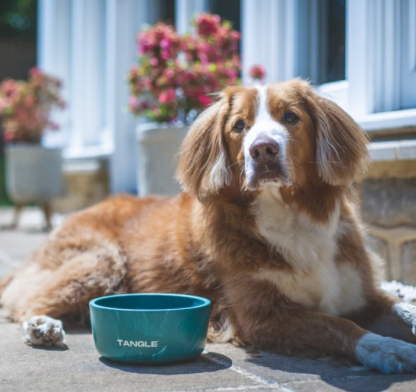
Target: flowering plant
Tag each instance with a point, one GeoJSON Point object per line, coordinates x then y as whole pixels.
{"type": "Point", "coordinates": [257, 72]}
{"type": "Point", "coordinates": [175, 75]}
{"type": "Point", "coordinates": [25, 106]}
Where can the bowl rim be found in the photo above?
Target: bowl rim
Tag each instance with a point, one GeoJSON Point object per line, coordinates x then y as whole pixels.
{"type": "Point", "coordinates": [205, 302]}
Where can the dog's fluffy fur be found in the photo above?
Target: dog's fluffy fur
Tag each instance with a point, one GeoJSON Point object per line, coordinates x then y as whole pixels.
{"type": "Point", "coordinates": [275, 244]}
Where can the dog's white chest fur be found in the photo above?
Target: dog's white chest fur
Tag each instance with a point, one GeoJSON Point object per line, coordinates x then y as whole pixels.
{"type": "Point", "coordinates": [317, 281]}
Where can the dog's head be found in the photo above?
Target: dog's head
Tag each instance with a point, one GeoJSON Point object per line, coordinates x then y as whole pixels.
{"type": "Point", "coordinates": [281, 133]}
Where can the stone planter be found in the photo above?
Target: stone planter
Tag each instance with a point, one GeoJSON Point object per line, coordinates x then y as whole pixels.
{"type": "Point", "coordinates": [33, 173]}
{"type": "Point", "coordinates": [158, 153]}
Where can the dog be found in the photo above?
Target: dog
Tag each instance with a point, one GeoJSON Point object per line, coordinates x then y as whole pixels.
{"type": "Point", "coordinates": [266, 228]}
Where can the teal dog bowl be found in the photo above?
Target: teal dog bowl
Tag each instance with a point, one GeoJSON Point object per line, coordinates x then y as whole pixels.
{"type": "Point", "coordinates": [150, 328]}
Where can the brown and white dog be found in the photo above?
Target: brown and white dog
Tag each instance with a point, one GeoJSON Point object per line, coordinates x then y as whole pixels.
{"type": "Point", "coordinates": [266, 229]}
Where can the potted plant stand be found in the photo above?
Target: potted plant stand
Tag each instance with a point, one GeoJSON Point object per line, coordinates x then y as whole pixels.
{"type": "Point", "coordinates": [33, 176]}
{"type": "Point", "coordinates": [158, 153]}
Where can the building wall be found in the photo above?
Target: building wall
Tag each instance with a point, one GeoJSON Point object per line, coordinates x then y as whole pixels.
{"type": "Point", "coordinates": [376, 84]}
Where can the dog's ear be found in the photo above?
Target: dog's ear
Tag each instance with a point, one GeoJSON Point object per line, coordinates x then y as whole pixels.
{"type": "Point", "coordinates": [204, 164]}
{"type": "Point", "coordinates": [341, 145]}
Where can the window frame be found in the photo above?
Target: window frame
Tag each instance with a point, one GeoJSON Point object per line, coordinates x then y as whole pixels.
{"type": "Point", "coordinates": [372, 91]}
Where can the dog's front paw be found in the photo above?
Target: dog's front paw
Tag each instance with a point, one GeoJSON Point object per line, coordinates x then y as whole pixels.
{"type": "Point", "coordinates": [407, 313]}
{"type": "Point", "coordinates": [387, 355]}
{"type": "Point", "coordinates": [44, 331]}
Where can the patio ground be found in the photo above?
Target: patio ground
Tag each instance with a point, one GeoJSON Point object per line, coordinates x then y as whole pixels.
{"type": "Point", "coordinates": [221, 368]}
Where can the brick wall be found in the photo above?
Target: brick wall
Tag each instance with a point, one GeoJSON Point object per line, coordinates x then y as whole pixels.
{"type": "Point", "coordinates": [388, 207]}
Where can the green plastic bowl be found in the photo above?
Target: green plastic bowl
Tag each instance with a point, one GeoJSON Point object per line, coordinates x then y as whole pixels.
{"type": "Point", "coordinates": [150, 328]}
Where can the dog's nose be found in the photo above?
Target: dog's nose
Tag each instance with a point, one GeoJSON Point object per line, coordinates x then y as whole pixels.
{"type": "Point", "coordinates": [264, 149]}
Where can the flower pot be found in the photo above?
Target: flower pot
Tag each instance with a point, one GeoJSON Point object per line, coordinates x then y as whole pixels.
{"type": "Point", "coordinates": [158, 153]}
{"type": "Point", "coordinates": [33, 173]}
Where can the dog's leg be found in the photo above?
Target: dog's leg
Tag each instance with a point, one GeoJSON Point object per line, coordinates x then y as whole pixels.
{"type": "Point", "coordinates": [68, 289]}
{"type": "Point", "coordinates": [44, 331]}
{"type": "Point", "coordinates": [387, 317]}
{"type": "Point", "coordinates": [300, 332]}
{"type": "Point", "coordinates": [267, 321]}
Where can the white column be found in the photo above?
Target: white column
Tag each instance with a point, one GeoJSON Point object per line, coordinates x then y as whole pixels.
{"type": "Point", "coordinates": [385, 38]}
{"type": "Point", "coordinates": [54, 38]}
{"type": "Point", "coordinates": [358, 54]}
{"type": "Point", "coordinates": [373, 56]}
{"type": "Point", "coordinates": [269, 37]}
{"type": "Point", "coordinates": [408, 59]}
{"type": "Point", "coordinates": [185, 10]}
{"type": "Point", "coordinates": [88, 69]}
{"type": "Point", "coordinates": [312, 37]}
{"type": "Point", "coordinates": [124, 20]}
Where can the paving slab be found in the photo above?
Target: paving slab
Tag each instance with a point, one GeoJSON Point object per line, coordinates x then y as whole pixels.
{"type": "Point", "coordinates": [274, 368]}
{"type": "Point", "coordinates": [400, 383]}
{"type": "Point", "coordinates": [82, 368]}
{"type": "Point", "coordinates": [17, 245]}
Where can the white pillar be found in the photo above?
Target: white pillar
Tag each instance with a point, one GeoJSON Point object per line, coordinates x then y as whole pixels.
{"type": "Point", "coordinates": [124, 20]}
{"type": "Point", "coordinates": [269, 37]}
{"type": "Point", "coordinates": [54, 53]}
{"type": "Point", "coordinates": [408, 59]}
{"type": "Point", "coordinates": [88, 69]}
{"type": "Point", "coordinates": [391, 56]}
{"type": "Point", "coordinates": [185, 10]}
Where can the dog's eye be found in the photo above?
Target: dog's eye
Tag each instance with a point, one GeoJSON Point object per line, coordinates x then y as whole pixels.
{"type": "Point", "coordinates": [239, 126]}
{"type": "Point", "coordinates": [291, 118]}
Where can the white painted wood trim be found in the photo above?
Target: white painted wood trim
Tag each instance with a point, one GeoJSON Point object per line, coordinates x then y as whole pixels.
{"type": "Point", "coordinates": [185, 11]}
{"type": "Point", "coordinates": [124, 20]}
{"type": "Point", "coordinates": [357, 58]}
{"type": "Point", "coordinates": [393, 151]}
{"type": "Point", "coordinates": [337, 92]}
{"type": "Point", "coordinates": [269, 37]}
{"type": "Point", "coordinates": [388, 120]}
{"type": "Point", "coordinates": [408, 60]}
{"type": "Point", "coordinates": [87, 72]}
{"type": "Point", "coordinates": [54, 37]}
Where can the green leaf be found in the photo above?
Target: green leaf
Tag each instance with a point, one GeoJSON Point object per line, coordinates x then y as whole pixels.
{"type": "Point", "coordinates": [212, 67]}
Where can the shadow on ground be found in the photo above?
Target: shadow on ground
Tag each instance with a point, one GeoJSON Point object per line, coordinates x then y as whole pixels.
{"type": "Point", "coordinates": [209, 362]}
{"type": "Point", "coordinates": [350, 379]}
{"type": "Point", "coordinates": [199, 365]}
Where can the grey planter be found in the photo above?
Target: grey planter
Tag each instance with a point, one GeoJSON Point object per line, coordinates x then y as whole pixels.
{"type": "Point", "coordinates": [33, 174]}
{"type": "Point", "coordinates": [158, 153]}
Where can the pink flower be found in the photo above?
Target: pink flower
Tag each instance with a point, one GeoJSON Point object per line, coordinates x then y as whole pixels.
{"type": "Point", "coordinates": [145, 105]}
{"type": "Point", "coordinates": [204, 100]}
{"type": "Point", "coordinates": [30, 101]}
{"type": "Point", "coordinates": [176, 73]}
{"type": "Point", "coordinates": [166, 44]}
{"type": "Point", "coordinates": [35, 72]}
{"type": "Point", "coordinates": [257, 72]}
{"type": "Point", "coordinates": [207, 24]}
{"type": "Point", "coordinates": [26, 106]}
{"type": "Point", "coordinates": [10, 88]}
{"type": "Point", "coordinates": [53, 126]}
{"type": "Point", "coordinates": [132, 102]}
{"type": "Point", "coordinates": [169, 73]}
{"type": "Point", "coordinates": [8, 136]}
{"type": "Point", "coordinates": [61, 103]}
{"type": "Point", "coordinates": [167, 96]}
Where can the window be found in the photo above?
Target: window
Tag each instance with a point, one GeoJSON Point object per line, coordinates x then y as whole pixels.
{"type": "Point", "coordinates": [334, 65]}
{"type": "Point", "coordinates": [167, 11]}
{"type": "Point", "coordinates": [230, 10]}
{"type": "Point", "coordinates": [321, 40]}
{"type": "Point", "coordinates": [18, 23]}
